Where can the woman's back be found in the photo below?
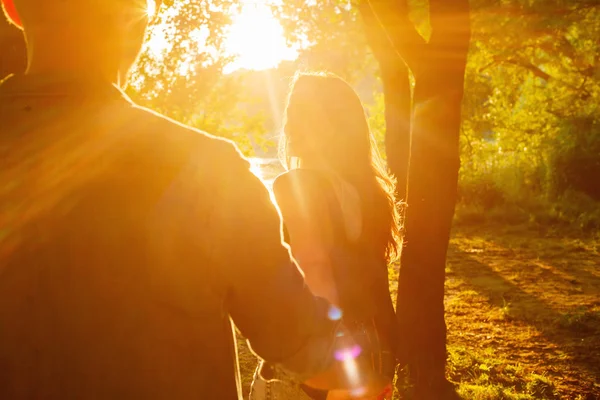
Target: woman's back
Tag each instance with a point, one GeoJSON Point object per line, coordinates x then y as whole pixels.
{"type": "Point", "coordinates": [323, 223]}
{"type": "Point", "coordinates": [339, 210]}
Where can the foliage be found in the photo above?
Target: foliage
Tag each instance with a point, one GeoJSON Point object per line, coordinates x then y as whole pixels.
{"type": "Point", "coordinates": [330, 34]}
{"type": "Point", "coordinates": [531, 111]}
{"type": "Point", "coordinates": [530, 141]}
{"type": "Point", "coordinates": [530, 131]}
{"type": "Point", "coordinates": [180, 72]}
{"type": "Point", "coordinates": [530, 135]}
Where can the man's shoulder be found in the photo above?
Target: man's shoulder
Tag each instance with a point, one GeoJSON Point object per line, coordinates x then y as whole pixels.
{"type": "Point", "coordinates": [167, 133]}
{"type": "Point", "coordinates": [174, 142]}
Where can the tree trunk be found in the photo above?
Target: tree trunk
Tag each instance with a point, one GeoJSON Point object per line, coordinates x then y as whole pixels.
{"type": "Point", "coordinates": [438, 67]}
{"type": "Point", "coordinates": [397, 100]}
{"type": "Point", "coordinates": [396, 85]}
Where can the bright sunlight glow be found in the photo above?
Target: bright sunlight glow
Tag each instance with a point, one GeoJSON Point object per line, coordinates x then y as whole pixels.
{"type": "Point", "coordinates": [151, 8]}
{"type": "Point", "coordinates": [256, 38]}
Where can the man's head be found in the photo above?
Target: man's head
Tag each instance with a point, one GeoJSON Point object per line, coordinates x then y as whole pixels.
{"type": "Point", "coordinates": [113, 31]}
{"type": "Point", "coordinates": [11, 12]}
{"type": "Point", "coordinates": [36, 9]}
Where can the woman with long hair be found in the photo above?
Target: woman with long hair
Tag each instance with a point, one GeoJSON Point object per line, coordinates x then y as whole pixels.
{"type": "Point", "coordinates": [340, 218]}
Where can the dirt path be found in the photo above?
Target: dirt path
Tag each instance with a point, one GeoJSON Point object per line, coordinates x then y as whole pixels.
{"type": "Point", "coordinates": [523, 316]}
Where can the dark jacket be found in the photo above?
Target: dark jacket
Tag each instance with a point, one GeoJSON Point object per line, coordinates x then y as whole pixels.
{"type": "Point", "coordinates": [128, 244]}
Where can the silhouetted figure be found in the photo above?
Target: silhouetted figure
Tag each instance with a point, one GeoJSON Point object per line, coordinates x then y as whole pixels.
{"type": "Point", "coordinates": [128, 242]}
{"type": "Point", "coordinates": [13, 53]}
{"type": "Point", "coordinates": [341, 220]}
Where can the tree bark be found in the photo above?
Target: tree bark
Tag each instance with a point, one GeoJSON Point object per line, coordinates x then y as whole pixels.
{"type": "Point", "coordinates": [438, 67]}
{"type": "Point", "coordinates": [397, 101]}
{"type": "Point", "coordinates": [395, 80]}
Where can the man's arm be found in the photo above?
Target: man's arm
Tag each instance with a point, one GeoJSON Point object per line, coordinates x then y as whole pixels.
{"type": "Point", "coordinates": [267, 297]}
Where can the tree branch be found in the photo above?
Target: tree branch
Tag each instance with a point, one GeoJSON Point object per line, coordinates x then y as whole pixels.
{"type": "Point", "coordinates": [390, 32]}
{"type": "Point", "coordinates": [519, 63]}
{"type": "Point", "coordinates": [532, 68]}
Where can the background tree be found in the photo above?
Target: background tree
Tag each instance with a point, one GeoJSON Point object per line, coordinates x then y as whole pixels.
{"type": "Point", "coordinates": [529, 135]}
{"type": "Point", "coordinates": [329, 35]}
{"type": "Point", "coordinates": [535, 66]}
{"type": "Point", "coordinates": [529, 129]}
{"type": "Point", "coordinates": [438, 66]}
{"type": "Point", "coordinates": [180, 72]}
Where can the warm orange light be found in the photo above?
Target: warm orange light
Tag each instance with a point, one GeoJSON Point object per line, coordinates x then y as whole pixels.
{"type": "Point", "coordinates": [151, 8]}
{"type": "Point", "coordinates": [256, 37]}
{"type": "Point", "coordinates": [11, 12]}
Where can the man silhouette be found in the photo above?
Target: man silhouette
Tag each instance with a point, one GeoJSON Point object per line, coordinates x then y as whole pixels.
{"type": "Point", "coordinates": [12, 48]}
{"type": "Point", "coordinates": [128, 242]}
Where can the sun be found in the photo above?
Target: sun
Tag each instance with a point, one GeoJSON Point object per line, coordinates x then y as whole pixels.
{"type": "Point", "coordinates": [256, 38]}
{"type": "Point", "coordinates": [151, 8]}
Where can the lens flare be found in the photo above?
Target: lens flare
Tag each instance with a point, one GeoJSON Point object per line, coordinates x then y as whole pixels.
{"type": "Point", "coordinates": [348, 353]}
{"type": "Point", "coordinates": [358, 392]}
{"type": "Point", "coordinates": [334, 313]}
{"type": "Point", "coordinates": [351, 371]}
{"type": "Point", "coordinates": [348, 358]}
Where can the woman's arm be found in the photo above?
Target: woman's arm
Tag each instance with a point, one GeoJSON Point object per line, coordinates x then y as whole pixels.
{"type": "Point", "coordinates": [306, 217]}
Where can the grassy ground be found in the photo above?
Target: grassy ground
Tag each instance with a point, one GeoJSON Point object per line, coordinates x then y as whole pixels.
{"type": "Point", "coordinates": [523, 315]}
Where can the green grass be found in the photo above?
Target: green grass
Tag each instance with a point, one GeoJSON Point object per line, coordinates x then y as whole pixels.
{"type": "Point", "coordinates": [523, 314]}
{"type": "Point", "coordinates": [483, 375]}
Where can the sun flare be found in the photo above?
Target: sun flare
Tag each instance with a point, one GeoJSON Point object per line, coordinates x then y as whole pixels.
{"type": "Point", "coordinates": [151, 8]}
{"type": "Point", "coordinates": [256, 38]}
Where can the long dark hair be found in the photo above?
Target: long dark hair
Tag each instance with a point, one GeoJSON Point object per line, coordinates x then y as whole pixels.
{"type": "Point", "coordinates": [325, 120]}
